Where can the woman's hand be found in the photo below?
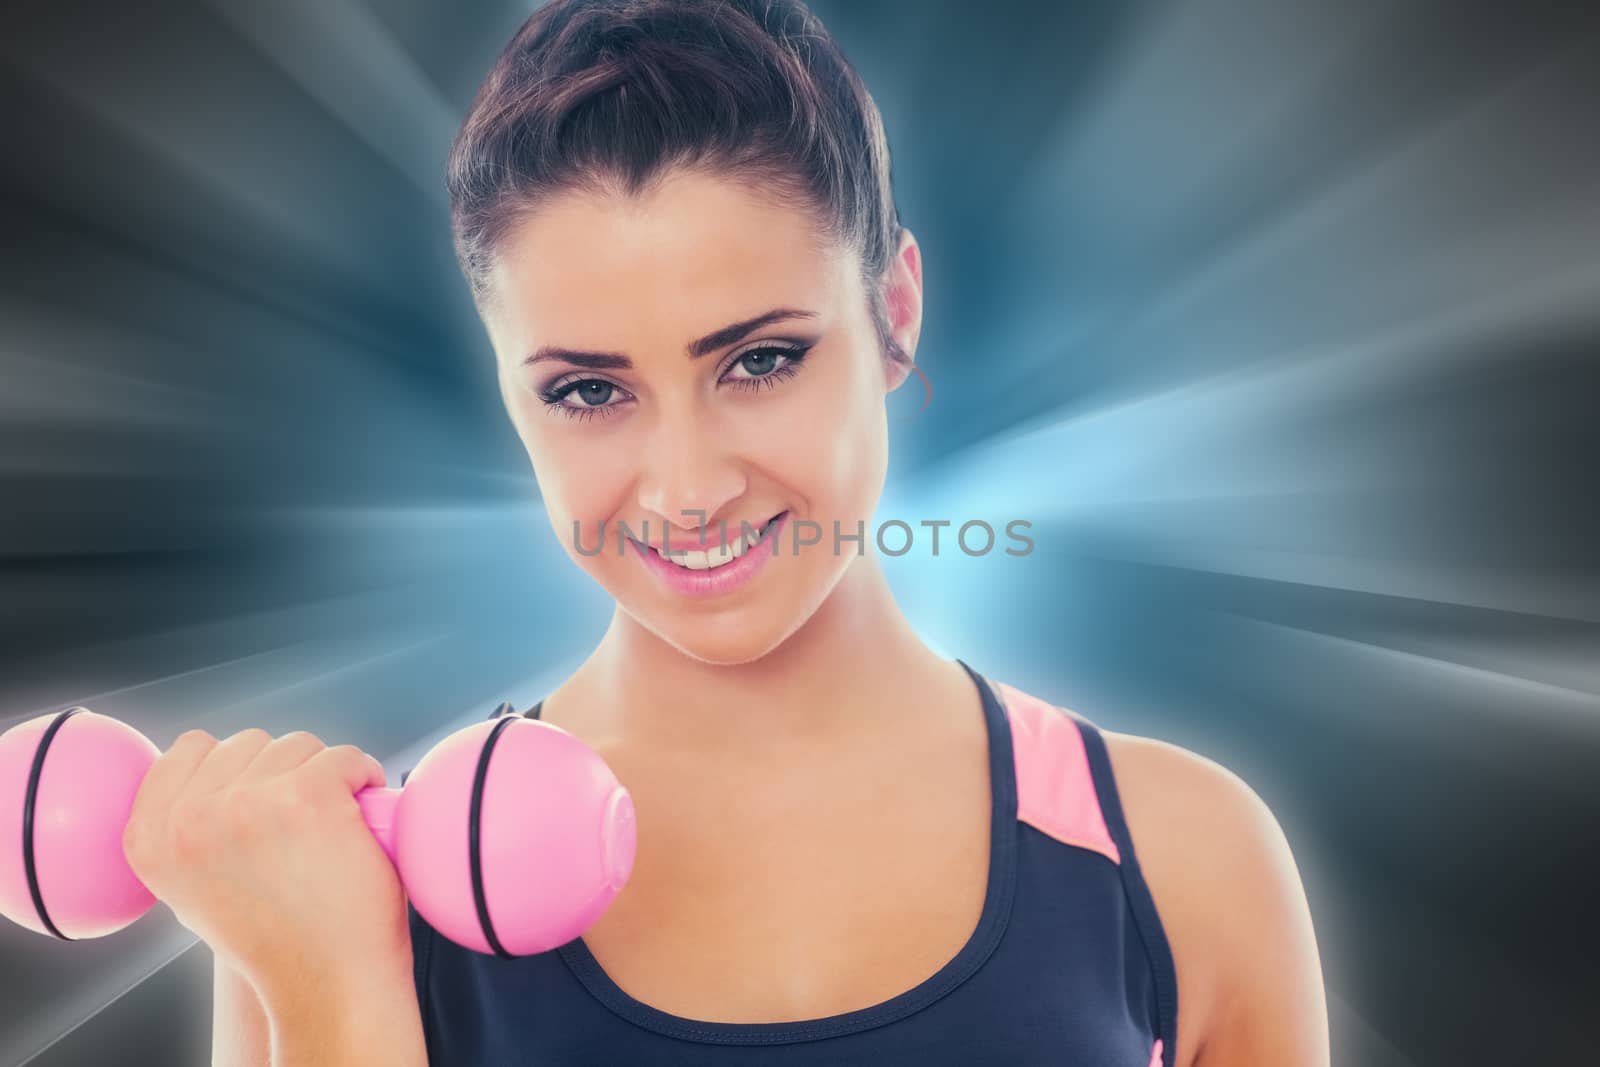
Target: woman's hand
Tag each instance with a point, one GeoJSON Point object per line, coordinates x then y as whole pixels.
{"type": "Point", "coordinates": [258, 846]}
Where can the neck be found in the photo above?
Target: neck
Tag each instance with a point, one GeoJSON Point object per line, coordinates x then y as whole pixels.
{"type": "Point", "coordinates": [854, 668]}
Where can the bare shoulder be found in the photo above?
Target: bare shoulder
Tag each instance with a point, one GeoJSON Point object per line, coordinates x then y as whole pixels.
{"type": "Point", "coordinates": [1230, 898]}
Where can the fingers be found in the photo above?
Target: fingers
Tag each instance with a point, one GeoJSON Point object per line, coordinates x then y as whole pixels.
{"type": "Point", "coordinates": [175, 812]}
{"type": "Point", "coordinates": [198, 764]}
{"type": "Point", "coordinates": [347, 764]}
{"type": "Point", "coordinates": [302, 753]}
{"type": "Point", "coordinates": [227, 761]}
{"type": "Point", "coordinates": [282, 755]}
{"type": "Point", "coordinates": [169, 776]}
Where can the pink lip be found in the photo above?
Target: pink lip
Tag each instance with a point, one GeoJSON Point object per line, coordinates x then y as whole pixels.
{"type": "Point", "coordinates": [718, 580]}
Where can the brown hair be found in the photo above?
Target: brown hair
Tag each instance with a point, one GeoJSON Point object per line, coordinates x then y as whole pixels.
{"type": "Point", "coordinates": [610, 94]}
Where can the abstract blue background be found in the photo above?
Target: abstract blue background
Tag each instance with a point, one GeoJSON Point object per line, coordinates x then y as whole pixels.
{"type": "Point", "coordinates": [1276, 318]}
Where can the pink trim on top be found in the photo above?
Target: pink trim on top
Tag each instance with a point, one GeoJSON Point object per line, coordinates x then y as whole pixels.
{"type": "Point", "coordinates": [1055, 791]}
{"type": "Point", "coordinates": [1155, 1054]}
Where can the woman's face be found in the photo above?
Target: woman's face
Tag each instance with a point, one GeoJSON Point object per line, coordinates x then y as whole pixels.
{"type": "Point", "coordinates": [681, 422]}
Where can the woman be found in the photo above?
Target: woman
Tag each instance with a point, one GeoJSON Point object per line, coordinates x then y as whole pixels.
{"type": "Point", "coordinates": [678, 224]}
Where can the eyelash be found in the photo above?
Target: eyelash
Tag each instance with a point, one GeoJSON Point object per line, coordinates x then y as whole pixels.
{"type": "Point", "coordinates": [553, 397]}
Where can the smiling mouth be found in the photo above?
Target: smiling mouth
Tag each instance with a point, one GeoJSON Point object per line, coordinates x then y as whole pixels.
{"type": "Point", "coordinates": [715, 556]}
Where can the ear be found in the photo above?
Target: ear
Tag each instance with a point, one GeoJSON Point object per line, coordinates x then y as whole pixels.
{"type": "Point", "coordinates": [902, 297]}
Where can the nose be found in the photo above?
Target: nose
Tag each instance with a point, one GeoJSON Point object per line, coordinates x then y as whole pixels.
{"type": "Point", "coordinates": [690, 471]}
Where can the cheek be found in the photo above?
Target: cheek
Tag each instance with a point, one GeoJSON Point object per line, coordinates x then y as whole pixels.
{"type": "Point", "coordinates": [830, 444]}
{"type": "Point", "coordinates": [586, 481]}
{"type": "Point", "coordinates": [581, 477]}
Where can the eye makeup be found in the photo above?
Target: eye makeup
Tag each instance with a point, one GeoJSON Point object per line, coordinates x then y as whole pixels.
{"type": "Point", "coordinates": [593, 393]}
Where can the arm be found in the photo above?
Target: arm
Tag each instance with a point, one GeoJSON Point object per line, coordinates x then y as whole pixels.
{"type": "Point", "coordinates": [1271, 1006]}
{"type": "Point", "coordinates": [240, 1034]}
{"type": "Point", "coordinates": [366, 1019]}
{"type": "Point", "coordinates": [1229, 895]}
{"type": "Point", "coordinates": [378, 1025]}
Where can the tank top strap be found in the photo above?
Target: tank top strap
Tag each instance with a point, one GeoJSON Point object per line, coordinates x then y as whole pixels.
{"type": "Point", "coordinates": [1066, 788]}
{"type": "Point", "coordinates": [1148, 922]}
{"type": "Point", "coordinates": [1058, 792]}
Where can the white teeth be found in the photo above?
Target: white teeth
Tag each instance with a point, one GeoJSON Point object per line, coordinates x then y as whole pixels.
{"type": "Point", "coordinates": [695, 559]}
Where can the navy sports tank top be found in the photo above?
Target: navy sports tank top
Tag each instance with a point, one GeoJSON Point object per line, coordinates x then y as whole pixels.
{"type": "Point", "coordinates": [1068, 965]}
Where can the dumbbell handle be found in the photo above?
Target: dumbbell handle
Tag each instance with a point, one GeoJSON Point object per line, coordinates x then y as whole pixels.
{"type": "Point", "coordinates": [378, 805]}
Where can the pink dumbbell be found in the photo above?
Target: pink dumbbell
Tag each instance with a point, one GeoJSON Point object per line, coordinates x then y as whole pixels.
{"type": "Point", "coordinates": [511, 836]}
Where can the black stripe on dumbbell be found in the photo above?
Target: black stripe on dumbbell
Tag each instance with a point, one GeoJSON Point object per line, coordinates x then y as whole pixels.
{"type": "Point", "coordinates": [475, 858]}
{"type": "Point", "coordinates": [27, 819]}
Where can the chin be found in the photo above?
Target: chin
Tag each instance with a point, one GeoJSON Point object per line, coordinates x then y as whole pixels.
{"type": "Point", "coordinates": [727, 642]}
{"type": "Point", "coordinates": [724, 656]}
{"type": "Point", "coordinates": [741, 630]}
{"type": "Point", "coordinates": [724, 638]}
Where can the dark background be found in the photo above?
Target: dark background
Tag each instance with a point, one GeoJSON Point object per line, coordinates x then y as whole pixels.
{"type": "Point", "coordinates": [1277, 319]}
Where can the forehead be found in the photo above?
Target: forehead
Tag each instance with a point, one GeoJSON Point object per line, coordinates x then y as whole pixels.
{"type": "Point", "coordinates": [687, 256]}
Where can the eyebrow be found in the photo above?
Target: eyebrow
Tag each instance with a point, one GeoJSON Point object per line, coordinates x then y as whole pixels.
{"type": "Point", "coordinates": [711, 342]}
